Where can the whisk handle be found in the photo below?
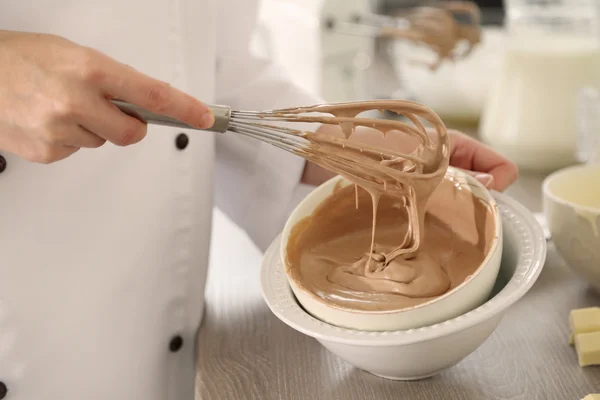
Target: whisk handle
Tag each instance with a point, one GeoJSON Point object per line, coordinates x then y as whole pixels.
{"type": "Point", "coordinates": [221, 113]}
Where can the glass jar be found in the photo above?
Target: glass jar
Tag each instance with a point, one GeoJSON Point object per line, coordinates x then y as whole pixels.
{"type": "Point", "coordinates": [553, 50]}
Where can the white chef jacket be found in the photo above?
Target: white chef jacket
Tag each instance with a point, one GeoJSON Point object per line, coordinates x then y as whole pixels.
{"type": "Point", "coordinates": [103, 256]}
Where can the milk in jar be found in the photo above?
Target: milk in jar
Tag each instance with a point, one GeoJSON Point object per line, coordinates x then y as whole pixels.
{"type": "Point", "coordinates": [530, 115]}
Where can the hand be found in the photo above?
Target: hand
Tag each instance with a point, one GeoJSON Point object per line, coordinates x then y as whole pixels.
{"type": "Point", "coordinates": [484, 163]}
{"type": "Point", "coordinates": [54, 98]}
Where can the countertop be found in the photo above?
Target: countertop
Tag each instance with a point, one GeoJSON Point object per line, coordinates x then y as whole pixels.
{"type": "Point", "coordinates": [245, 352]}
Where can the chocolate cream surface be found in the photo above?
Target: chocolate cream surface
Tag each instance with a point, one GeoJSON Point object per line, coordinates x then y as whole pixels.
{"type": "Point", "coordinates": [328, 252]}
{"type": "Point", "coordinates": [372, 246]}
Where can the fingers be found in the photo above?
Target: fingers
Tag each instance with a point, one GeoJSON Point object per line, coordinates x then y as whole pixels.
{"type": "Point", "coordinates": [504, 176]}
{"type": "Point", "coordinates": [470, 154]}
{"type": "Point", "coordinates": [58, 153]}
{"type": "Point", "coordinates": [125, 83]}
{"type": "Point", "coordinates": [486, 180]}
{"type": "Point", "coordinates": [106, 121]}
{"type": "Point", "coordinates": [81, 137]}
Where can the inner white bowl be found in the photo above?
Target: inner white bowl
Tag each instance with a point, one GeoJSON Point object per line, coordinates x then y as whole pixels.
{"type": "Point", "coordinates": [465, 297]}
{"type": "Point", "coordinates": [419, 353]}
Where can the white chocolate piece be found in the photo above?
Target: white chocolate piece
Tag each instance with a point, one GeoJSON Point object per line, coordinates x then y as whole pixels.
{"type": "Point", "coordinates": [585, 320]}
{"type": "Point", "coordinates": [588, 348]}
{"type": "Point", "coordinates": [593, 396]}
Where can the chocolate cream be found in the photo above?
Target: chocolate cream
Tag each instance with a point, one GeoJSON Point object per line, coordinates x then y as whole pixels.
{"type": "Point", "coordinates": [327, 253]}
{"type": "Point", "coordinates": [392, 253]}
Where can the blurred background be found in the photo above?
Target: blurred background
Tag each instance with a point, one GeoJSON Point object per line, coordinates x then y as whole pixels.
{"type": "Point", "coordinates": [518, 90]}
{"type": "Point", "coordinates": [342, 65]}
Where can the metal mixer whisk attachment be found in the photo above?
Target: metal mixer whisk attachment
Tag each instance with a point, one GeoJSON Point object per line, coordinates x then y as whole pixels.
{"type": "Point", "coordinates": [451, 29]}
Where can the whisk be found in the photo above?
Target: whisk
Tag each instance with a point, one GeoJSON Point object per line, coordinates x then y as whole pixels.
{"type": "Point", "coordinates": [346, 154]}
{"type": "Point", "coordinates": [227, 120]}
{"type": "Point", "coordinates": [252, 124]}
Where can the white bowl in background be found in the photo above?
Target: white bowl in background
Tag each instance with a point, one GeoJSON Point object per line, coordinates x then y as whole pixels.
{"type": "Point", "coordinates": [572, 209]}
{"type": "Point", "coordinates": [465, 297]}
{"type": "Point", "coordinates": [423, 352]}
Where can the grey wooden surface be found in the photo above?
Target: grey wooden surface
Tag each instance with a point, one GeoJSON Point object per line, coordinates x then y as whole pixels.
{"type": "Point", "coordinates": [244, 352]}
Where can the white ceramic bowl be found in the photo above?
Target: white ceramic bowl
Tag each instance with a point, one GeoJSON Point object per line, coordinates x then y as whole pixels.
{"type": "Point", "coordinates": [572, 209]}
{"type": "Point", "coordinates": [419, 353]}
{"type": "Point", "coordinates": [468, 295]}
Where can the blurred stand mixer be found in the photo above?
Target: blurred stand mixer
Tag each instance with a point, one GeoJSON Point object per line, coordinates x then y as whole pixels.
{"type": "Point", "coordinates": [435, 53]}
{"type": "Point", "coordinates": [458, 88]}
